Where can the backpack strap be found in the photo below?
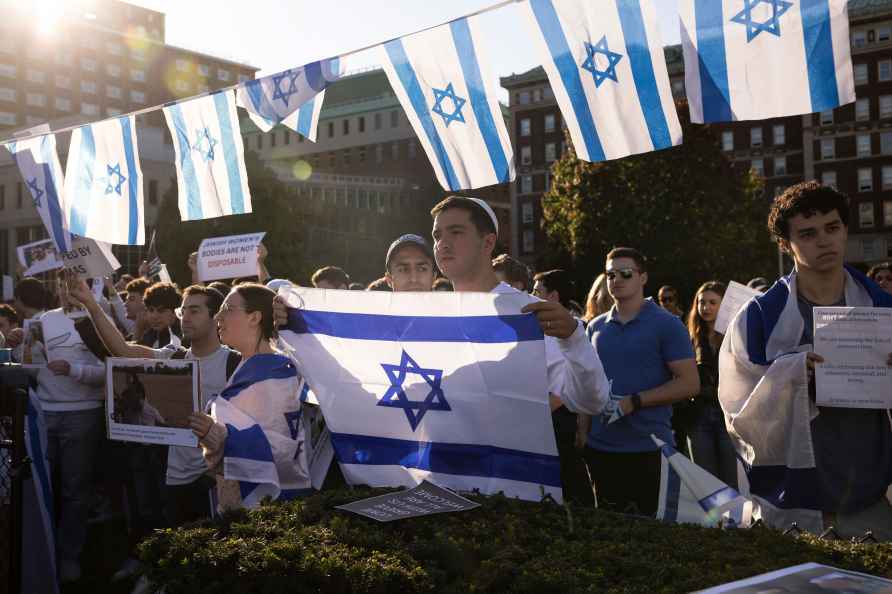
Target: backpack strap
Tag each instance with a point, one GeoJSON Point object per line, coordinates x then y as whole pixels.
{"type": "Point", "coordinates": [232, 361]}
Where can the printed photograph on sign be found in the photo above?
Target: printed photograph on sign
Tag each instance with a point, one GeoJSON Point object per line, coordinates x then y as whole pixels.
{"type": "Point", "coordinates": [40, 256]}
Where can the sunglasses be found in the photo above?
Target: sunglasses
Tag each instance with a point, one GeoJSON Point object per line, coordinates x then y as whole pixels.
{"type": "Point", "coordinates": [626, 273]}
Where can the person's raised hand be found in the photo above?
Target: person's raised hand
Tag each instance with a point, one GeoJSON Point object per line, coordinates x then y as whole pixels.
{"type": "Point", "coordinates": [15, 337]}
{"type": "Point", "coordinates": [192, 261]}
{"type": "Point", "coordinates": [201, 424]}
{"type": "Point", "coordinates": [262, 252]}
{"type": "Point", "coordinates": [280, 311]}
{"type": "Point", "coordinates": [553, 317]}
{"type": "Point", "coordinates": [79, 291]}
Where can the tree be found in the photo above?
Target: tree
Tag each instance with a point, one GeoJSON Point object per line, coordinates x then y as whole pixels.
{"type": "Point", "coordinates": [688, 209]}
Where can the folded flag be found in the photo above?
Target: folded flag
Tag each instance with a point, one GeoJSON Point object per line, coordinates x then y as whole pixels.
{"type": "Point", "coordinates": [292, 97]}
{"type": "Point", "coordinates": [759, 59]}
{"type": "Point", "coordinates": [264, 449]}
{"type": "Point", "coordinates": [210, 157]}
{"type": "Point", "coordinates": [38, 163]}
{"type": "Point", "coordinates": [418, 386]}
{"type": "Point", "coordinates": [605, 63]}
{"type": "Point", "coordinates": [439, 81]}
{"type": "Point", "coordinates": [103, 183]}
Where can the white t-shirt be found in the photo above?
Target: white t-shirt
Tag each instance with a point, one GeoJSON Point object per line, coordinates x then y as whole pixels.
{"type": "Point", "coordinates": [184, 464]}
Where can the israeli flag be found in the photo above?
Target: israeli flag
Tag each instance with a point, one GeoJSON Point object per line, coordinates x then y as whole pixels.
{"type": "Point", "coordinates": [440, 83]}
{"type": "Point", "coordinates": [38, 162]}
{"type": "Point", "coordinates": [264, 449]}
{"type": "Point", "coordinates": [210, 157]}
{"type": "Point", "coordinates": [605, 63]}
{"type": "Point", "coordinates": [759, 59]}
{"type": "Point", "coordinates": [39, 534]}
{"type": "Point", "coordinates": [413, 386]}
{"type": "Point", "coordinates": [292, 97]}
{"type": "Point", "coordinates": [103, 183]}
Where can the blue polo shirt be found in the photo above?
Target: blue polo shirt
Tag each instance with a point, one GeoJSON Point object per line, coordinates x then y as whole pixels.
{"type": "Point", "coordinates": [635, 357]}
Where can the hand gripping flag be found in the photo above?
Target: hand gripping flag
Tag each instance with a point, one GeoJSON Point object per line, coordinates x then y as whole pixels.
{"type": "Point", "coordinates": [440, 84]}
{"type": "Point", "coordinates": [38, 163]}
{"type": "Point", "coordinates": [210, 157]}
{"type": "Point", "coordinates": [605, 63]}
{"type": "Point", "coordinates": [759, 59]}
{"type": "Point", "coordinates": [264, 449]}
{"type": "Point", "coordinates": [292, 97]}
{"type": "Point", "coordinates": [103, 183]}
{"type": "Point", "coordinates": [413, 386]}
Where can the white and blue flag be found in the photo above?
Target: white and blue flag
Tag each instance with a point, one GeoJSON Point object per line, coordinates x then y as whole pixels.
{"type": "Point", "coordinates": [292, 97]}
{"type": "Point", "coordinates": [103, 183]}
{"type": "Point", "coordinates": [413, 386]}
{"type": "Point", "coordinates": [759, 59]}
{"type": "Point", "coordinates": [38, 162]}
{"type": "Point", "coordinates": [604, 60]}
{"type": "Point", "coordinates": [440, 83]}
{"type": "Point", "coordinates": [264, 449]}
{"type": "Point", "coordinates": [210, 157]}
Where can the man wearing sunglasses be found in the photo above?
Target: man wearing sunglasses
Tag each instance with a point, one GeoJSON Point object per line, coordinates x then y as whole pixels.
{"type": "Point", "coordinates": [647, 354]}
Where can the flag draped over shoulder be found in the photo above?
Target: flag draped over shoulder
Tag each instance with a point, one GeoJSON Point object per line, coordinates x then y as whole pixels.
{"type": "Point", "coordinates": [292, 97]}
{"type": "Point", "coordinates": [264, 449]}
{"type": "Point", "coordinates": [38, 162]}
{"type": "Point", "coordinates": [760, 59]}
{"type": "Point", "coordinates": [103, 183]}
{"type": "Point", "coordinates": [441, 84]}
{"type": "Point", "coordinates": [210, 157]}
{"type": "Point", "coordinates": [450, 388]}
{"type": "Point", "coordinates": [763, 391]}
{"type": "Point", "coordinates": [604, 60]}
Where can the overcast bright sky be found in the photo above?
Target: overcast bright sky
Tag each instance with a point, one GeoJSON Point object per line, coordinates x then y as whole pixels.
{"type": "Point", "coordinates": [278, 34]}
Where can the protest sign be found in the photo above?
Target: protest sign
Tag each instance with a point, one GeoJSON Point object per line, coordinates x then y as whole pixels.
{"type": "Point", "coordinates": [149, 400]}
{"type": "Point", "coordinates": [89, 258]}
{"type": "Point", "coordinates": [736, 296]}
{"type": "Point", "coordinates": [806, 578]}
{"type": "Point", "coordinates": [228, 257]}
{"type": "Point", "coordinates": [424, 499]}
{"type": "Point", "coordinates": [320, 449]}
{"type": "Point", "coordinates": [38, 256]}
{"type": "Point", "coordinates": [855, 343]}
{"type": "Point", "coordinates": [8, 288]}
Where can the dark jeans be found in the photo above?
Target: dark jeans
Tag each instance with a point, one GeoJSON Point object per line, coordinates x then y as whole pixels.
{"type": "Point", "coordinates": [710, 445]}
{"type": "Point", "coordinates": [190, 502]}
{"type": "Point", "coordinates": [625, 482]}
{"type": "Point", "coordinates": [574, 478]}
{"type": "Point", "coordinates": [147, 464]}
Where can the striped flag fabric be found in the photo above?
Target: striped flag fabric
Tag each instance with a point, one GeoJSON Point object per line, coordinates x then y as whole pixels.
{"type": "Point", "coordinates": [210, 157]}
{"type": "Point", "coordinates": [759, 59]}
{"type": "Point", "coordinates": [292, 97]}
{"type": "Point", "coordinates": [604, 60]}
{"type": "Point", "coordinates": [439, 80]}
{"type": "Point", "coordinates": [103, 183]}
{"type": "Point", "coordinates": [38, 162]}
{"type": "Point", "coordinates": [414, 386]}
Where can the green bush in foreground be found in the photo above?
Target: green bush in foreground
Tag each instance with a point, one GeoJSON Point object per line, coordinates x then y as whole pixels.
{"type": "Point", "coordinates": [504, 546]}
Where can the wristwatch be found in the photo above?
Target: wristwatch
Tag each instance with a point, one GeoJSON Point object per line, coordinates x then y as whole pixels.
{"type": "Point", "coordinates": [636, 402]}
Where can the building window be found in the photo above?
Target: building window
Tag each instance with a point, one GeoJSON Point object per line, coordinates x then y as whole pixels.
{"type": "Point", "coordinates": [828, 148]}
{"type": "Point", "coordinates": [886, 143]}
{"type": "Point", "coordinates": [859, 39]}
{"type": "Point", "coordinates": [780, 135]}
{"type": "Point", "coordinates": [526, 212]}
{"type": "Point", "coordinates": [884, 70]}
{"type": "Point", "coordinates": [63, 104]}
{"type": "Point", "coordinates": [883, 34]}
{"type": "Point", "coordinates": [887, 213]}
{"type": "Point", "coordinates": [861, 74]}
{"type": "Point", "coordinates": [331, 129]}
{"type": "Point", "coordinates": [36, 99]}
{"type": "Point", "coordinates": [63, 82]}
{"type": "Point", "coordinates": [755, 137]}
{"type": "Point", "coordinates": [181, 86]}
{"type": "Point", "coordinates": [112, 111]}
{"type": "Point", "coordinates": [182, 65]}
{"type": "Point", "coordinates": [526, 155]}
{"type": "Point", "coordinates": [887, 177]}
{"type": "Point", "coordinates": [395, 151]}
{"type": "Point", "coordinates": [377, 118]}
{"type": "Point", "coordinates": [885, 106]}
{"type": "Point", "coordinates": [394, 118]}
{"type": "Point", "coordinates": [113, 92]}
{"type": "Point", "coordinates": [113, 70]}
{"type": "Point", "coordinates": [537, 95]}
{"type": "Point", "coordinates": [7, 94]}
{"type": "Point", "coordinates": [862, 145]}
{"type": "Point", "coordinates": [7, 70]}
{"type": "Point", "coordinates": [727, 140]}
{"type": "Point", "coordinates": [223, 75]}
{"type": "Point", "coordinates": [827, 117]}
{"type": "Point", "coordinates": [88, 64]}
{"type": "Point", "coordinates": [865, 179]}
{"type": "Point", "coordinates": [529, 241]}
{"type": "Point", "coordinates": [36, 76]}
{"type": "Point", "coordinates": [89, 109]}
{"type": "Point", "coordinates": [379, 153]}
{"type": "Point", "coordinates": [361, 124]}
{"type": "Point", "coordinates": [865, 215]}
{"type": "Point", "coordinates": [138, 75]}
{"type": "Point", "coordinates": [7, 119]}
{"type": "Point", "coordinates": [526, 184]}
{"type": "Point", "coordinates": [523, 98]}
{"type": "Point", "coordinates": [780, 166]}
{"type": "Point", "coordinates": [88, 86]}
{"type": "Point", "coordinates": [550, 152]}
{"type": "Point", "coordinates": [345, 127]}
{"type": "Point", "coordinates": [550, 122]}
{"type": "Point", "coordinates": [525, 127]}
{"type": "Point", "coordinates": [137, 96]}
{"type": "Point", "coordinates": [828, 178]}
{"type": "Point", "coordinates": [758, 166]}
{"type": "Point", "coordinates": [862, 110]}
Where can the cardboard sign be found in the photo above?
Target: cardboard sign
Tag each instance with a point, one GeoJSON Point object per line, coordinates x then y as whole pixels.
{"type": "Point", "coordinates": [736, 296]}
{"type": "Point", "coordinates": [423, 500]}
{"type": "Point", "coordinates": [38, 256]}
{"type": "Point", "coordinates": [89, 258]}
{"type": "Point", "coordinates": [228, 257]}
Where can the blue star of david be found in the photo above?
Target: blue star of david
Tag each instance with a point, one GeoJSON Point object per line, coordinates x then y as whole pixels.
{"type": "Point", "coordinates": [116, 186]}
{"type": "Point", "coordinates": [591, 64]}
{"type": "Point", "coordinates": [285, 94]}
{"type": "Point", "coordinates": [36, 192]}
{"type": "Point", "coordinates": [204, 139]}
{"type": "Point", "coordinates": [772, 25]}
{"type": "Point", "coordinates": [395, 396]}
{"type": "Point", "coordinates": [457, 104]}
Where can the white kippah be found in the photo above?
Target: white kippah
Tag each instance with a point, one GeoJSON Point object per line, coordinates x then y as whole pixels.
{"type": "Point", "coordinates": [486, 207]}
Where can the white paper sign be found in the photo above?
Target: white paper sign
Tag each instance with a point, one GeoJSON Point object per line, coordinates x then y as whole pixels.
{"type": "Point", "coordinates": [39, 256]}
{"type": "Point", "coordinates": [228, 257]}
{"type": "Point", "coordinates": [90, 258]}
{"type": "Point", "coordinates": [736, 296]}
{"type": "Point", "coordinates": [855, 343]}
{"type": "Point", "coordinates": [98, 285]}
{"type": "Point", "coordinates": [8, 288]}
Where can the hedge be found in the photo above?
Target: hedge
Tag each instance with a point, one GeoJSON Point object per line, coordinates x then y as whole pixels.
{"type": "Point", "coordinates": [504, 546]}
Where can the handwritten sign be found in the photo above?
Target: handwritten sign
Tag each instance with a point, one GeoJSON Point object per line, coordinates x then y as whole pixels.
{"type": "Point", "coordinates": [423, 500]}
{"type": "Point", "coordinates": [89, 258]}
{"type": "Point", "coordinates": [736, 296]}
{"type": "Point", "coordinates": [38, 256]}
{"type": "Point", "coordinates": [855, 343]}
{"type": "Point", "coordinates": [228, 257]}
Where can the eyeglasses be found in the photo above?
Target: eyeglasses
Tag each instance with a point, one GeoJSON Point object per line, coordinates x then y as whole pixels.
{"type": "Point", "coordinates": [626, 273]}
{"type": "Point", "coordinates": [226, 308]}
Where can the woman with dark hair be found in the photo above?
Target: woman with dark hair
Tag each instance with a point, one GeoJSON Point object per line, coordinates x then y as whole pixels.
{"type": "Point", "coordinates": [254, 425]}
{"type": "Point", "coordinates": [710, 446]}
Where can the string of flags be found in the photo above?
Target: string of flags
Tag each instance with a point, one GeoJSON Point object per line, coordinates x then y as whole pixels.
{"type": "Point", "coordinates": [744, 60]}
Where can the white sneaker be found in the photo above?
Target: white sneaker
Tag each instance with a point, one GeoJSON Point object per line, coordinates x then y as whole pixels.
{"type": "Point", "coordinates": [128, 568]}
{"type": "Point", "coordinates": [69, 571]}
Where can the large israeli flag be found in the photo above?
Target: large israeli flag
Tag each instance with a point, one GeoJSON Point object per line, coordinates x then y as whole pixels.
{"type": "Point", "coordinates": [413, 386]}
{"type": "Point", "coordinates": [292, 97]}
{"type": "Point", "coordinates": [440, 83]}
{"type": "Point", "coordinates": [759, 59]}
{"type": "Point", "coordinates": [103, 183]}
{"type": "Point", "coordinates": [38, 163]}
{"type": "Point", "coordinates": [605, 63]}
{"type": "Point", "coordinates": [210, 157]}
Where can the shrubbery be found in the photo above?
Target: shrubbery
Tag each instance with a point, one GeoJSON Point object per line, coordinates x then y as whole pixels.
{"type": "Point", "coordinates": [503, 546]}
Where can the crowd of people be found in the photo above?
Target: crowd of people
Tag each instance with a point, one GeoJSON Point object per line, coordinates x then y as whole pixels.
{"type": "Point", "coordinates": [621, 368]}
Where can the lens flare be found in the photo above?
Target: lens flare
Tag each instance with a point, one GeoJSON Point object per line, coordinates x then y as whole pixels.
{"type": "Point", "coordinates": [302, 170]}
